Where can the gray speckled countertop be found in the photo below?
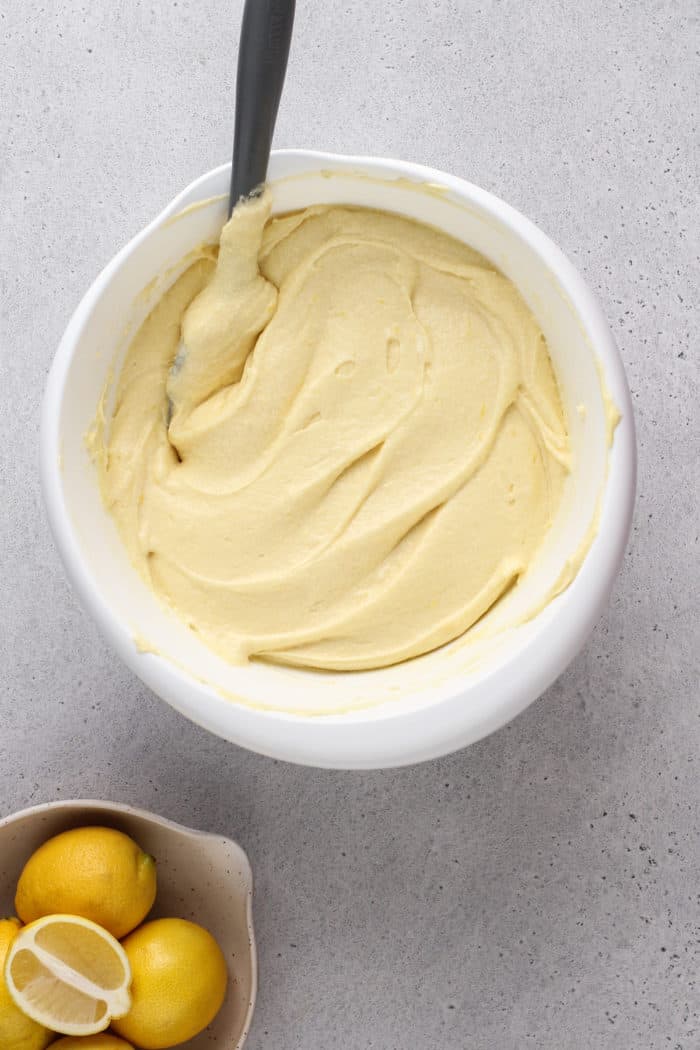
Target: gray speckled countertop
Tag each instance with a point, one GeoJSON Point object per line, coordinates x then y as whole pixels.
{"type": "Point", "coordinates": [540, 889]}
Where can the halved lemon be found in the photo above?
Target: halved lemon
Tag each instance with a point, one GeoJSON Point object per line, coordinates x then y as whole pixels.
{"type": "Point", "coordinates": [68, 974]}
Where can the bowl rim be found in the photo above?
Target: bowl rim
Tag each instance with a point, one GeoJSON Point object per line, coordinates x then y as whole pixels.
{"type": "Point", "coordinates": [447, 723]}
{"type": "Point", "coordinates": [123, 808]}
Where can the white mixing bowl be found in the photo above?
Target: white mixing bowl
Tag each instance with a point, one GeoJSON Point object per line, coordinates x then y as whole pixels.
{"type": "Point", "coordinates": [425, 707]}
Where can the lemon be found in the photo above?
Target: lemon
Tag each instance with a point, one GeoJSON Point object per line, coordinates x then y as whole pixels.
{"type": "Point", "coordinates": [179, 983]}
{"type": "Point", "coordinates": [98, 873]}
{"type": "Point", "coordinates": [68, 974]}
{"type": "Point", "coordinates": [92, 1042]}
{"type": "Point", "coordinates": [17, 1032]}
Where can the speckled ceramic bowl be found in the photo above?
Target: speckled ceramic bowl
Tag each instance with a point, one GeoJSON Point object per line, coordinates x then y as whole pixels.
{"type": "Point", "coordinates": [202, 877]}
{"type": "Point", "coordinates": [424, 707]}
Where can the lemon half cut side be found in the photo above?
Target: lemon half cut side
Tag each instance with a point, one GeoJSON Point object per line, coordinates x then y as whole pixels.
{"type": "Point", "coordinates": [68, 974]}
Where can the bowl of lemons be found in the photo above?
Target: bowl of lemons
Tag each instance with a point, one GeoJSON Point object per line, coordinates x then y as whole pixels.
{"type": "Point", "coordinates": [122, 931]}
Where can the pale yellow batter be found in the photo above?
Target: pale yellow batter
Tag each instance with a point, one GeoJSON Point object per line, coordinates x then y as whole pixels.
{"type": "Point", "coordinates": [367, 444]}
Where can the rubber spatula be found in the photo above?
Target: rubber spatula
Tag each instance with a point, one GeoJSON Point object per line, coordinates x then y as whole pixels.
{"type": "Point", "coordinates": [266, 34]}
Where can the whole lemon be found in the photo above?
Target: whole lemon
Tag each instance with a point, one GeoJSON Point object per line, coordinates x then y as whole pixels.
{"type": "Point", "coordinates": [97, 873]}
{"type": "Point", "coordinates": [105, 1041]}
{"type": "Point", "coordinates": [178, 983]}
{"type": "Point", "coordinates": [17, 1032]}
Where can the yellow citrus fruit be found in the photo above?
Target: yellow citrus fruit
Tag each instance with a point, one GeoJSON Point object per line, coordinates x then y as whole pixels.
{"type": "Point", "coordinates": [68, 974]}
{"type": "Point", "coordinates": [17, 1031]}
{"type": "Point", "coordinates": [179, 983]}
{"type": "Point", "coordinates": [98, 873]}
{"type": "Point", "coordinates": [105, 1041]}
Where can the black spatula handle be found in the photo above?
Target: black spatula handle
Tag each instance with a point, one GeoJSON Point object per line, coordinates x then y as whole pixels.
{"type": "Point", "coordinates": [266, 34]}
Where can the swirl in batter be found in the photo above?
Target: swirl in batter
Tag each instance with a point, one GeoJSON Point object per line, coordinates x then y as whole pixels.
{"type": "Point", "coordinates": [367, 444]}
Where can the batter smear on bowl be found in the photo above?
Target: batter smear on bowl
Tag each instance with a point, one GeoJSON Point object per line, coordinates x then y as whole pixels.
{"type": "Point", "coordinates": [366, 447]}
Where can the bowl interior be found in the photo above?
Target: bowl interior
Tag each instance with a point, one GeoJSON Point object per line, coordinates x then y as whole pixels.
{"type": "Point", "coordinates": [205, 878]}
{"type": "Point", "coordinates": [127, 290]}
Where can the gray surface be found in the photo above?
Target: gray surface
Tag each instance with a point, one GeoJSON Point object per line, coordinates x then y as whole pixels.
{"type": "Point", "coordinates": [540, 889]}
